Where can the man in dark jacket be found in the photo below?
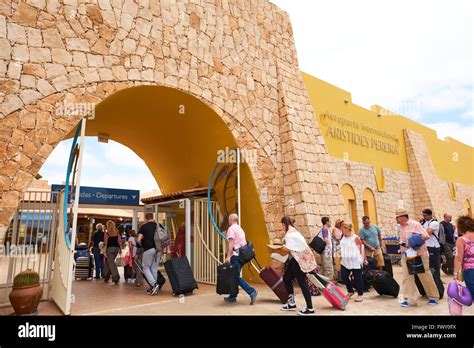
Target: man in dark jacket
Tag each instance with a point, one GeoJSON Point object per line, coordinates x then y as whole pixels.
{"type": "Point", "coordinates": [448, 245]}
{"type": "Point", "coordinates": [96, 239]}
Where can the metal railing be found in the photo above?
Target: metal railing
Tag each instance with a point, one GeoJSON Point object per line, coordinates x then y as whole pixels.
{"type": "Point", "coordinates": [209, 246]}
{"type": "Point", "coordinates": [29, 242]}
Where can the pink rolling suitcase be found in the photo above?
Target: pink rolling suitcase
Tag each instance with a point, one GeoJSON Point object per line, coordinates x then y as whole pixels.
{"type": "Point", "coordinates": [330, 292]}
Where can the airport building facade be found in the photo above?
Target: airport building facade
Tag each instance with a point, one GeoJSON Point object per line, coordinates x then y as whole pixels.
{"type": "Point", "coordinates": [178, 81]}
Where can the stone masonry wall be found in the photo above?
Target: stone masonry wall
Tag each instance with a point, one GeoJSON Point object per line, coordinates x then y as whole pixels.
{"type": "Point", "coordinates": [417, 190]}
{"type": "Point", "coordinates": [237, 56]}
{"type": "Point", "coordinates": [397, 188]}
{"type": "Point", "coordinates": [429, 191]}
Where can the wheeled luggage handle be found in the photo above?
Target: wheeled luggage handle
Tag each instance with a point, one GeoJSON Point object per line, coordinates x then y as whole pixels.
{"type": "Point", "coordinates": [255, 267]}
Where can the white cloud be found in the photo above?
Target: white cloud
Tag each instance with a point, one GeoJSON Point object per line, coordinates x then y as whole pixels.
{"type": "Point", "coordinates": [387, 52]}
{"type": "Point", "coordinates": [59, 155]}
{"type": "Point", "coordinates": [463, 133]}
{"type": "Point", "coordinates": [104, 165]}
{"type": "Point", "coordinates": [121, 155]}
{"type": "Point", "coordinates": [469, 115]}
{"type": "Point", "coordinates": [446, 99]}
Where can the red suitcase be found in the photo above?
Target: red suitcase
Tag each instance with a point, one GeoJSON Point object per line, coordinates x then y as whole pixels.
{"type": "Point", "coordinates": [274, 280]}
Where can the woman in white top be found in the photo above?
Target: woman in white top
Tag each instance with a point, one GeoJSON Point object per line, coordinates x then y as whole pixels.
{"type": "Point", "coordinates": [300, 261]}
{"type": "Point", "coordinates": [352, 260]}
{"type": "Point", "coordinates": [133, 250]}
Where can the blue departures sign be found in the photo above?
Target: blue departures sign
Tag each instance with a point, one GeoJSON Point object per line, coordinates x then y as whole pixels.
{"type": "Point", "coordinates": [102, 195]}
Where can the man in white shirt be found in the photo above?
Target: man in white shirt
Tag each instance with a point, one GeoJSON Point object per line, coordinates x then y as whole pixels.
{"type": "Point", "coordinates": [434, 248]}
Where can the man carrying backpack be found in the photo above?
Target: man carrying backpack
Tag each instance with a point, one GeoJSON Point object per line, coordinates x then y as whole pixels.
{"type": "Point", "coordinates": [434, 248]}
{"type": "Point", "coordinates": [151, 252]}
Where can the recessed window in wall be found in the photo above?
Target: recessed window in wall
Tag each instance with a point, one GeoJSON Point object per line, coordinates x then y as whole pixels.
{"type": "Point", "coordinates": [370, 207]}
{"type": "Point", "coordinates": [350, 202]}
{"type": "Point", "coordinates": [468, 207]}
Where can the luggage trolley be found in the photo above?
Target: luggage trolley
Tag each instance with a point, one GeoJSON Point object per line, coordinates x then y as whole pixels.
{"type": "Point", "coordinates": [392, 246]}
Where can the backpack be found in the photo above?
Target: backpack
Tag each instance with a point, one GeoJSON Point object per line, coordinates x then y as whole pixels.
{"type": "Point", "coordinates": [441, 237]}
{"type": "Point", "coordinates": [160, 238]}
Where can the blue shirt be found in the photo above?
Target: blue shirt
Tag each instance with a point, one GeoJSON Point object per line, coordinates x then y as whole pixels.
{"type": "Point", "coordinates": [370, 235]}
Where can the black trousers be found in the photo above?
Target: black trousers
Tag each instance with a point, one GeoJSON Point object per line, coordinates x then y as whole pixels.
{"type": "Point", "coordinates": [448, 250]}
{"type": "Point", "coordinates": [435, 260]}
{"type": "Point", "coordinates": [293, 271]}
{"type": "Point", "coordinates": [359, 282]}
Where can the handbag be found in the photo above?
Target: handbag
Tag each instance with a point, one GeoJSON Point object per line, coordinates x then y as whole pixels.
{"type": "Point", "coordinates": [318, 244]}
{"type": "Point", "coordinates": [119, 261]}
{"type": "Point", "coordinates": [459, 293]}
{"type": "Point", "coordinates": [246, 253]}
{"type": "Point", "coordinates": [128, 256]}
{"type": "Point", "coordinates": [415, 265]}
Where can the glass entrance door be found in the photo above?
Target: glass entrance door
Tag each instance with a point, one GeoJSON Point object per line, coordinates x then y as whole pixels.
{"type": "Point", "coordinates": [175, 219]}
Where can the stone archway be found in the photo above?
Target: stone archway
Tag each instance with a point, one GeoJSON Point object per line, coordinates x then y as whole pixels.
{"type": "Point", "coordinates": [240, 61]}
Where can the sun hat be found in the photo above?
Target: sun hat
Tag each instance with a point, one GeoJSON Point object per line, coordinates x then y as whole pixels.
{"type": "Point", "coordinates": [401, 212]}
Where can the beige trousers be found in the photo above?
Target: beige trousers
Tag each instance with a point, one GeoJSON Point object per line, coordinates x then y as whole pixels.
{"type": "Point", "coordinates": [409, 289]}
{"type": "Point", "coordinates": [326, 265]}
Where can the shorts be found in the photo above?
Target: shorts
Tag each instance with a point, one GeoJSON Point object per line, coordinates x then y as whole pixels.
{"type": "Point", "coordinates": [377, 255]}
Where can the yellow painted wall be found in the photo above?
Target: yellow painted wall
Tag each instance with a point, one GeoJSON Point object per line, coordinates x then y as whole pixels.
{"type": "Point", "coordinates": [179, 149]}
{"type": "Point", "coordinates": [453, 160]}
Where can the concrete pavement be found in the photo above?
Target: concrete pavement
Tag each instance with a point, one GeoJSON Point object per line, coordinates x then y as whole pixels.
{"type": "Point", "coordinates": [97, 298]}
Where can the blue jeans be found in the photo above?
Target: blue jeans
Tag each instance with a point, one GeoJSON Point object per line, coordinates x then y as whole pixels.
{"type": "Point", "coordinates": [234, 260]}
{"type": "Point", "coordinates": [468, 276]}
{"type": "Point", "coordinates": [99, 262]}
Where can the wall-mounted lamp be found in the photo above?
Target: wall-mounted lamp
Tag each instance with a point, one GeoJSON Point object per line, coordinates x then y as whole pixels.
{"type": "Point", "coordinates": [346, 101]}
{"type": "Point", "coordinates": [103, 138]}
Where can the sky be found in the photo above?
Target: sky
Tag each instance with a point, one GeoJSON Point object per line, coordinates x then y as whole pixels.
{"type": "Point", "coordinates": [412, 57]}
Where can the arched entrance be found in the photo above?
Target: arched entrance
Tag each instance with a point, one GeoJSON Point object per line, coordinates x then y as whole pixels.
{"type": "Point", "coordinates": [180, 139]}
{"type": "Point", "coordinates": [350, 201]}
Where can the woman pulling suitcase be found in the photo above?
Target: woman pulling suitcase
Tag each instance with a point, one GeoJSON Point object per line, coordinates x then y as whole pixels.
{"type": "Point", "coordinates": [300, 262]}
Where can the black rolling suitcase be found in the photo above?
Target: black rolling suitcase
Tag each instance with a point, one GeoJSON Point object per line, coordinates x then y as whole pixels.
{"type": "Point", "coordinates": [180, 275]}
{"type": "Point", "coordinates": [384, 283]}
{"type": "Point", "coordinates": [371, 265]}
{"type": "Point", "coordinates": [437, 280]}
{"type": "Point", "coordinates": [227, 283]}
{"type": "Point", "coordinates": [128, 273]}
{"type": "Point", "coordinates": [388, 264]}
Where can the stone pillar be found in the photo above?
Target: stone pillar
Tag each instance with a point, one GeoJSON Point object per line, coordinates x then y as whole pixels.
{"type": "Point", "coordinates": [427, 192]}
{"type": "Point", "coordinates": [310, 191]}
